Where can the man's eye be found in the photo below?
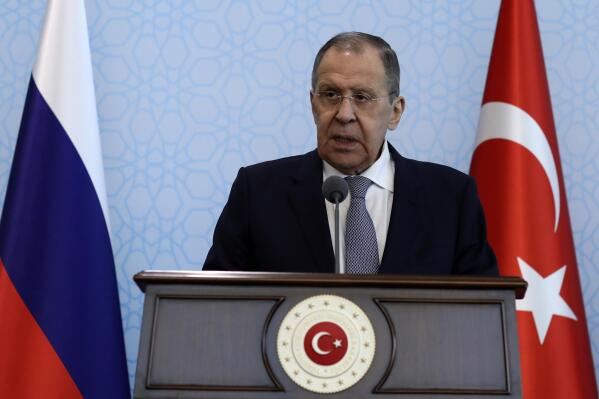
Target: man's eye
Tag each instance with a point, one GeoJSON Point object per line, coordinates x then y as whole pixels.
{"type": "Point", "coordinates": [330, 95]}
{"type": "Point", "coordinates": [361, 98]}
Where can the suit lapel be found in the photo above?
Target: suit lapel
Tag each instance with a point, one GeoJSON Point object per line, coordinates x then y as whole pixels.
{"type": "Point", "coordinates": [404, 217]}
{"type": "Point", "coordinates": [307, 202]}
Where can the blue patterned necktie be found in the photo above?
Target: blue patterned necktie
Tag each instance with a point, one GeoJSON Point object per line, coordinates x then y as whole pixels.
{"type": "Point", "coordinates": [361, 249]}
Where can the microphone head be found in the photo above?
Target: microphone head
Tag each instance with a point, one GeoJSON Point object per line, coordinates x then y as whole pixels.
{"type": "Point", "coordinates": [335, 189]}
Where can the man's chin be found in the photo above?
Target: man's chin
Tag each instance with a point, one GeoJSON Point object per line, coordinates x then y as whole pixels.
{"type": "Point", "coordinates": [346, 166]}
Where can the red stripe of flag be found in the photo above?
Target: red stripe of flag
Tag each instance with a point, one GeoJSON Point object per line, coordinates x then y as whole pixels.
{"type": "Point", "coordinates": [29, 366]}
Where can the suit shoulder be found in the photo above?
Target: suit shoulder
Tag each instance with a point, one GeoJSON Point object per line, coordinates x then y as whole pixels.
{"type": "Point", "coordinates": [438, 176]}
{"type": "Point", "coordinates": [277, 167]}
{"type": "Point", "coordinates": [436, 169]}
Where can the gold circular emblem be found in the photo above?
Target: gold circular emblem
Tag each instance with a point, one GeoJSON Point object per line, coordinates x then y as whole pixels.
{"type": "Point", "coordinates": [326, 343]}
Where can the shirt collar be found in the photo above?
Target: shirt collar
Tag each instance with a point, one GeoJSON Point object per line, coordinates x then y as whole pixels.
{"type": "Point", "coordinates": [381, 172]}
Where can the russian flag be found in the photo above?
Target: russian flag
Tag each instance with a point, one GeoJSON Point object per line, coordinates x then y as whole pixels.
{"type": "Point", "coordinates": [60, 325]}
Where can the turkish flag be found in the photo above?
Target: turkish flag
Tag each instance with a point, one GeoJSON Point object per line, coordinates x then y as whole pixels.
{"type": "Point", "coordinates": [517, 167]}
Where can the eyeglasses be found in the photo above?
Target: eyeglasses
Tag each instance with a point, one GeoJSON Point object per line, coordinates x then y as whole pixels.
{"type": "Point", "coordinates": [331, 99]}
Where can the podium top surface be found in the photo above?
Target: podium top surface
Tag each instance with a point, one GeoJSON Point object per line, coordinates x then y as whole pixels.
{"type": "Point", "coordinates": [149, 277]}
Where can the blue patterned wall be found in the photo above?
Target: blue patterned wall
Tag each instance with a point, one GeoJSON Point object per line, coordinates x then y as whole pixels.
{"type": "Point", "coordinates": [189, 91]}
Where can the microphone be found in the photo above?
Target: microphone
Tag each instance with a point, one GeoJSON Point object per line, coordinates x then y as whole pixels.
{"type": "Point", "coordinates": [335, 190]}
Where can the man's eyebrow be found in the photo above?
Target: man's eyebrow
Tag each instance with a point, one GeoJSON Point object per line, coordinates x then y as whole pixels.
{"type": "Point", "coordinates": [363, 89]}
{"type": "Point", "coordinates": [327, 86]}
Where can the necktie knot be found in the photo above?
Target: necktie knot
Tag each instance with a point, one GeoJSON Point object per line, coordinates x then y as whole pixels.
{"type": "Point", "coordinates": [358, 186]}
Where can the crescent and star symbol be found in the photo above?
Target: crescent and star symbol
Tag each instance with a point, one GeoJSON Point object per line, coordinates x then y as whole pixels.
{"type": "Point", "coordinates": [499, 120]}
{"type": "Point", "coordinates": [315, 346]}
{"type": "Point", "coordinates": [324, 343]}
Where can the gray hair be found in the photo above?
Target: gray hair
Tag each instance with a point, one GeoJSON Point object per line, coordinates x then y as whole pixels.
{"type": "Point", "coordinates": [355, 42]}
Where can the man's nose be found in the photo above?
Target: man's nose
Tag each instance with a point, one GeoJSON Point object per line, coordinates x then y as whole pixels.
{"type": "Point", "coordinates": [346, 113]}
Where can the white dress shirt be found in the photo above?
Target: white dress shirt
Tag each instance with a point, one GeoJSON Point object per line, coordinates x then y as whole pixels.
{"type": "Point", "coordinates": [379, 200]}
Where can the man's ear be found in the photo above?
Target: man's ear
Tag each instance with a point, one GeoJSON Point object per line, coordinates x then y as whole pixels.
{"type": "Point", "coordinates": [399, 105]}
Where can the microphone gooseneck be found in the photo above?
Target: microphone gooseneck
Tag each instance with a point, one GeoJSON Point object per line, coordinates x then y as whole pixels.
{"type": "Point", "coordinates": [335, 190]}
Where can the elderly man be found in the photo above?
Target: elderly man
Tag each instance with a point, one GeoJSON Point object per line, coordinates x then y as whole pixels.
{"type": "Point", "coordinates": [403, 216]}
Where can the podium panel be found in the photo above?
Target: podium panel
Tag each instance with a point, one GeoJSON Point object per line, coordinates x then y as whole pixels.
{"type": "Point", "coordinates": [246, 335]}
{"type": "Point", "coordinates": [195, 337]}
{"type": "Point", "coordinates": [448, 346]}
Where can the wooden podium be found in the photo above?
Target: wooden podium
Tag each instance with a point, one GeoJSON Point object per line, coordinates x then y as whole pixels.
{"type": "Point", "coordinates": [214, 335]}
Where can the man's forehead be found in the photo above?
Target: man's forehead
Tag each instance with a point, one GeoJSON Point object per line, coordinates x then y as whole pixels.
{"type": "Point", "coordinates": [341, 65]}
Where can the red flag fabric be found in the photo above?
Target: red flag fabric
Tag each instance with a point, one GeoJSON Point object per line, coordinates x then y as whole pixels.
{"type": "Point", "coordinates": [517, 167]}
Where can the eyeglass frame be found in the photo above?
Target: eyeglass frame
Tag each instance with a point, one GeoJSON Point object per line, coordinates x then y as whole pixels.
{"type": "Point", "coordinates": [339, 98]}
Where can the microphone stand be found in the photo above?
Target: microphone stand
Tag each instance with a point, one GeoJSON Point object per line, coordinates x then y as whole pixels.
{"type": "Point", "coordinates": [337, 266]}
{"type": "Point", "coordinates": [335, 190]}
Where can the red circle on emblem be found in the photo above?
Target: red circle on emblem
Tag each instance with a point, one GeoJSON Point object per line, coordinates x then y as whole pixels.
{"type": "Point", "coordinates": [325, 343]}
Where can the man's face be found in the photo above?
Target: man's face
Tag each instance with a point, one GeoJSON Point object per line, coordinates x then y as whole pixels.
{"type": "Point", "coordinates": [349, 136]}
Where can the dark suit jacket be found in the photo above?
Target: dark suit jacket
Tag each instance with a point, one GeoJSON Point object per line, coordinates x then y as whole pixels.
{"type": "Point", "coordinates": [275, 220]}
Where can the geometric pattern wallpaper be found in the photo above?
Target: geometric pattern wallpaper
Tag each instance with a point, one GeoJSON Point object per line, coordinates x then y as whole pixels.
{"type": "Point", "coordinates": [189, 91]}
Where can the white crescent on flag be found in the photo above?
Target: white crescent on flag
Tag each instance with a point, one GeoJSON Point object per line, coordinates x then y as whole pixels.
{"type": "Point", "coordinates": [499, 120]}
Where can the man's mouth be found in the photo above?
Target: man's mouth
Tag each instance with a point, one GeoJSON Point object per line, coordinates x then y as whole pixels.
{"type": "Point", "coordinates": [343, 139]}
{"type": "Point", "coordinates": [344, 143]}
